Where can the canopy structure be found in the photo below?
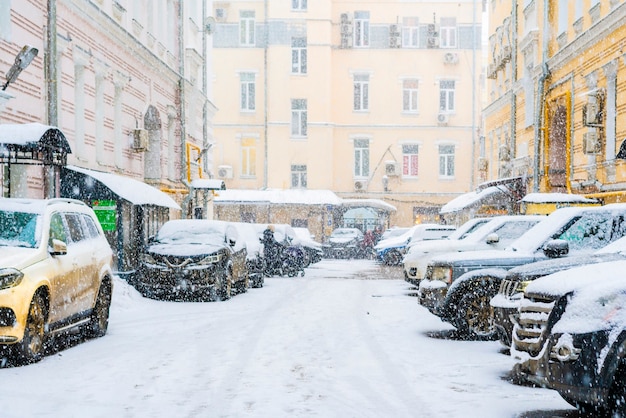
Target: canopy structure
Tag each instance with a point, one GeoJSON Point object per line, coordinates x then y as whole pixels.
{"type": "Point", "coordinates": [33, 143]}
{"type": "Point", "coordinates": [492, 195]}
{"type": "Point", "coordinates": [208, 184]}
{"type": "Point", "coordinates": [92, 184]}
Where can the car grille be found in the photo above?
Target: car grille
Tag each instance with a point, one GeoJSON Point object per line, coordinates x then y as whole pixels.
{"type": "Point", "coordinates": [532, 330]}
{"type": "Point", "coordinates": [509, 287]}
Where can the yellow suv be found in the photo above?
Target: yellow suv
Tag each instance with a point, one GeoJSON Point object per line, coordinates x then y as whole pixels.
{"type": "Point", "coordinates": [55, 274]}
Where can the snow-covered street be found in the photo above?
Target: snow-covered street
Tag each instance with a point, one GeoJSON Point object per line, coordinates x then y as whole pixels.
{"type": "Point", "coordinates": [343, 341]}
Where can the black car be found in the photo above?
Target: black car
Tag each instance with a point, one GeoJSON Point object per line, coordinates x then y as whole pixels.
{"type": "Point", "coordinates": [580, 350]}
{"type": "Point", "coordinates": [343, 243]}
{"type": "Point", "coordinates": [193, 259]}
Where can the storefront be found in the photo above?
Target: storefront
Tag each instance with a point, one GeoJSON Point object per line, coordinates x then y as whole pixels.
{"type": "Point", "coordinates": [129, 210]}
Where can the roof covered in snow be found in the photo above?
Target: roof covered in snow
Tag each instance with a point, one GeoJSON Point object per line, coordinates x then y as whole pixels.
{"type": "Point", "coordinates": [279, 196]}
{"type": "Point", "coordinates": [468, 199]}
{"type": "Point", "coordinates": [555, 198]}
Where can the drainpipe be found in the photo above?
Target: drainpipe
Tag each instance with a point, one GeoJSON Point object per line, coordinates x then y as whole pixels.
{"type": "Point", "coordinates": [473, 93]}
{"type": "Point", "coordinates": [183, 132]}
{"type": "Point", "coordinates": [265, 101]}
{"type": "Point", "coordinates": [513, 33]}
{"type": "Point", "coordinates": [50, 176]}
{"type": "Point", "coordinates": [545, 73]}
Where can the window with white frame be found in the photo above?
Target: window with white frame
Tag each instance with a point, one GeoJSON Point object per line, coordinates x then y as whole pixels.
{"type": "Point", "coordinates": [361, 158]}
{"type": "Point", "coordinates": [409, 159]}
{"type": "Point", "coordinates": [298, 56]}
{"type": "Point", "coordinates": [248, 92]}
{"type": "Point", "coordinates": [447, 33]}
{"type": "Point", "coordinates": [248, 157]}
{"type": "Point", "coordinates": [298, 176]}
{"type": "Point", "coordinates": [446, 160]}
{"type": "Point", "coordinates": [361, 91]}
{"type": "Point", "coordinates": [409, 95]}
{"type": "Point", "coordinates": [446, 95]}
{"type": "Point", "coordinates": [246, 28]}
{"type": "Point", "coordinates": [410, 32]}
{"type": "Point", "coordinates": [563, 11]}
{"type": "Point", "coordinates": [298, 4]}
{"type": "Point", "coordinates": [298, 118]}
{"type": "Point", "coordinates": [361, 29]}
{"type": "Point", "coordinates": [5, 20]}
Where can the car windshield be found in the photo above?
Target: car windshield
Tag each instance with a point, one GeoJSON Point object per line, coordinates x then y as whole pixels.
{"type": "Point", "coordinates": [191, 234]}
{"type": "Point", "coordinates": [19, 229]}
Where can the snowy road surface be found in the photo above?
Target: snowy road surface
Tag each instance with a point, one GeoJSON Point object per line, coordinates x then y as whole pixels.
{"type": "Point", "coordinates": [339, 342]}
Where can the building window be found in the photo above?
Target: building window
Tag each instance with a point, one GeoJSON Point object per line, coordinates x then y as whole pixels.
{"type": "Point", "coordinates": [361, 158]}
{"type": "Point", "coordinates": [409, 95]}
{"type": "Point", "coordinates": [298, 56]}
{"type": "Point", "coordinates": [446, 160]}
{"type": "Point", "coordinates": [446, 95]}
{"type": "Point", "coordinates": [298, 118]}
{"type": "Point", "coordinates": [246, 27]}
{"type": "Point", "coordinates": [248, 157]}
{"type": "Point", "coordinates": [361, 29]}
{"type": "Point", "coordinates": [447, 32]}
{"type": "Point", "coordinates": [410, 32]}
{"type": "Point", "coordinates": [248, 96]}
{"type": "Point", "coordinates": [361, 91]}
{"type": "Point", "coordinates": [298, 176]}
{"type": "Point", "coordinates": [409, 159]}
{"type": "Point", "coordinates": [298, 4]}
{"type": "Point", "coordinates": [5, 20]}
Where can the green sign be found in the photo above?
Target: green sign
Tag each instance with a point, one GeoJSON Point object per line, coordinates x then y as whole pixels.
{"type": "Point", "coordinates": [106, 211]}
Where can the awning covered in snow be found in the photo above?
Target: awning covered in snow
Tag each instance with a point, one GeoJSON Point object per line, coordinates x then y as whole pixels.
{"type": "Point", "coordinates": [490, 195]}
{"type": "Point", "coordinates": [33, 143]}
{"type": "Point", "coordinates": [208, 184]}
{"type": "Point", "coordinates": [134, 191]}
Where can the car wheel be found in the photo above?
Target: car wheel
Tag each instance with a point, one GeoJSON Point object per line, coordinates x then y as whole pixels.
{"type": "Point", "coordinates": [226, 286]}
{"type": "Point", "coordinates": [475, 315]}
{"type": "Point", "coordinates": [393, 258]}
{"type": "Point", "coordinates": [99, 322]}
{"type": "Point", "coordinates": [31, 348]}
{"type": "Point", "coordinates": [617, 394]}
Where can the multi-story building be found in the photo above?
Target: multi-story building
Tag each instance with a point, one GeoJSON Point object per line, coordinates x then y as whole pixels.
{"type": "Point", "coordinates": [124, 86]}
{"type": "Point", "coordinates": [555, 86]}
{"type": "Point", "coordinates": [377, 100]}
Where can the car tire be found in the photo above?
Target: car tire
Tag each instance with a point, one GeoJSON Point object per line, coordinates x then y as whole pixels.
{"type": "Point", "coordinates": [617, 393]}
{"type": "Point", "coordinates": [32, 346]}
{"type": "Point", "coordinates": [393, 258]}
{"type": "Point", "coordinates": [225, 290]}
{"type": "Point", "coordinates": [99, 322]}
{"type": "Point", "coordinates": [474, 319]}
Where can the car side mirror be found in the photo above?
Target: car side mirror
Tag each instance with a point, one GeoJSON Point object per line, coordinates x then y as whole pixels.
{"type": "Point", "coordinates": [58, 247]}
{"type": "Point", "coordinates": [556, 248]}
{"type": "Point", "coordinates": [492, 238]}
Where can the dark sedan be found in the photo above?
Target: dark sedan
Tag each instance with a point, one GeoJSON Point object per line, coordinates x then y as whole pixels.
{"type": "Point", "coordinates": [193, 259]}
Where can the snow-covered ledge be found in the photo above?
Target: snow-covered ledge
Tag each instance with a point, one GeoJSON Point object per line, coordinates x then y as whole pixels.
{"type": "Point", "coordinates": [4, 98]}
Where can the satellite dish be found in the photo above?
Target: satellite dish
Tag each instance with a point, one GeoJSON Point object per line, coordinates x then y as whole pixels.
{"type": "Point", "coordinates": [209, 25]}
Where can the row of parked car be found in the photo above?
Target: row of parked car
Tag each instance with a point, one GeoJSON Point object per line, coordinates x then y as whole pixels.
{"type": "Point", "coordinates": [550, 288]}
{"type": "Point", "coordinates": [56, 274]}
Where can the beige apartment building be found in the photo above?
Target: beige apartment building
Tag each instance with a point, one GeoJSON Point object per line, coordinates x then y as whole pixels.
{"type": "Point", "coordinates": [370, 100]}
{"type": "Point", "coordinates": [555, 114]}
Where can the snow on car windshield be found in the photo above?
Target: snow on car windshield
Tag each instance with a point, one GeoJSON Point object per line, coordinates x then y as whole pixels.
{"type": "Point", "coordinates": [19, 229]}
{"type": "Point", "coordinates": [190, 232]}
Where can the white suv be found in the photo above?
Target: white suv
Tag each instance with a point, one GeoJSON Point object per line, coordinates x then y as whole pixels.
{"type": "Point", "coordinates": [55, 273]}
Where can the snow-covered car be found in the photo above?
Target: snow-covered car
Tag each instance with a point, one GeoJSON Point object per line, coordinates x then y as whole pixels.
{"type": "Point", "coordinates": [458, 287]}
{"type": "Point", "coordinates": [572, 336]}
{"type": "Point", "coordinates": [393, 232]}
{"type": "Point", "coordinates": [390, 251]}
{"type": "Point", "coordinates": [343, 243]}
{"type": "Point", "coordinates": [193, 259]}
{"type": "Point", "coordinates": [312, 248]}
{"type": "Point", "coordinates": [506, 302]}
{"type": "Point", "coordinates": [476, 234]}
{"type": "Point", "coordinates": [254, 253]}
{"type": "Point", "coordinates": [55, 274]}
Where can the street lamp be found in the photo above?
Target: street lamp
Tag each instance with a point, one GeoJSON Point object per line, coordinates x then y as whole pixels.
{"type": "Point", "coordinates": [23, 58]}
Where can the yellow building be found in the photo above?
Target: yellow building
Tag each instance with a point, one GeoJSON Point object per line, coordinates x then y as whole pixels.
{"type": "Point", "coordinates": [376, 100]}
{"type": "Point", "coordinates": [556, 72]}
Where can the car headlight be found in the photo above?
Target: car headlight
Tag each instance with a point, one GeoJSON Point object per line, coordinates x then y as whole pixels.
{"type": "Point", "coordinates": [521, 286]}
{"type": "Point", "coordinates": [211, 259]}
{"type": "Point", "coordinates": [148, 259]}
{"type": "Point", "coordinates": [443, 273]}
{"type": "Point", "coordinates": [10, 277]}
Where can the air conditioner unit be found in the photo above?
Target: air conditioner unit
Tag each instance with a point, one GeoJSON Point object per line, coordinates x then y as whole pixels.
{"type": "Point", "coordinates": [225, 172]}
{"type": "Point", "coordinates": [432, 36]}
{"type": "Point", "coordinates": [450, 58]}
{"type": "Point", "coordinates": [140, 140]}
{"type": "Point", "coordinates": [591, 114]}
{"type": "Point", "coordinates": [346, 18]}
{"type": "Point", "coordinates": [591, 144]}
{"type": "Point", "coordinates": [360, 185]}
{"type": "Point", "coordinates": [483, 164]}
{"type": "Point", "coordinates": [394, 30]}
{"type": "Point", "coordinates": [346, 29]}
{"type": "Point", "coordinates": [346, 41]}
{"type": "Point", "coordinates": [392, 168]}
{"type": "Point", "coordinates": [443, 118]}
